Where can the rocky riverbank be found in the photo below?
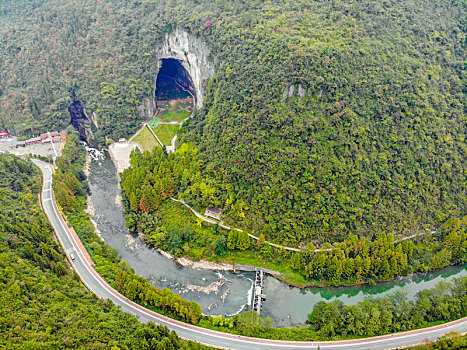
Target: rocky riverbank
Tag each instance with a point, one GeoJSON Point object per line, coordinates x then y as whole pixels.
{"type": "Point", "coordinates": [201, 264]}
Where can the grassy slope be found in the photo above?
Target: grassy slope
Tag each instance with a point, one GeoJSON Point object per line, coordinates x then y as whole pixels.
{"type": "Point", "coordinates": [174, 116]}
{"type": "Point", "coordinates": [165, 133]}
{"type": "Point", "coordinates": [146, 139]}
{"type": "Point", "coordinates": [154, 122]}
{"type": "Point", "coordinates": [175, 110]}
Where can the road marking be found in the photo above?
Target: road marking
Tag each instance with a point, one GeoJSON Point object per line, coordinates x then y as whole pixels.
{"type": "Point", "coordinates": [142, 310]}
{"type": "Point", "coordinates": [47, 199]}
{"type": "Point", "coordinates": [134, 307]}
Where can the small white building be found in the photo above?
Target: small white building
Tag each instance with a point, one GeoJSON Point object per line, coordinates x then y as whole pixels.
{"type": "Point", "coordinates": [213, 213]}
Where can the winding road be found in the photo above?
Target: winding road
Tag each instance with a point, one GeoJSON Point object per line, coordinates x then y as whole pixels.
{"type": "Point", "coordinates": [102, 289]}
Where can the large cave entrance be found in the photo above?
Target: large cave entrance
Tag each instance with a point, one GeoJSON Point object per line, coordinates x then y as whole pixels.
{"type": "Point", "coordinates": [173, 83]}
{"type": "Point", "coordinates": [175, 99]}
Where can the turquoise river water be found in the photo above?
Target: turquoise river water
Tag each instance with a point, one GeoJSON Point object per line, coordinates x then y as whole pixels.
{"type": "Point", "coordinates": [225, 292]}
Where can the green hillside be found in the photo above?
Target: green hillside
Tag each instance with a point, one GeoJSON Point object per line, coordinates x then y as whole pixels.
{"type": "Point", "coordinates": [376, 143]}
{"type": "Point", "coordinates": [44, 306]}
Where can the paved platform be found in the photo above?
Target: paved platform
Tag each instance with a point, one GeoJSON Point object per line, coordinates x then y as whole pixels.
{"type": "Point", "coordinates": [120, 154]}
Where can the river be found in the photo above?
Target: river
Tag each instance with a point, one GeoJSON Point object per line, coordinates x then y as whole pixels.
{"type": "Point", "coordinates": [224, 292]}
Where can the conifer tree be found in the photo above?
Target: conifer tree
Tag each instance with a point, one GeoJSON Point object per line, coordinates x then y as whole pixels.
{"type": "Point", "coordinates": [144, 204]}
{"type": "Point", "coordinates": [232, 239]}
{"type": "Point", "coordinates": [134, 203]}
{"type": "Point", "coordinates": [261, 240]}
{"type": "Point", "coordinates": [243, 241]}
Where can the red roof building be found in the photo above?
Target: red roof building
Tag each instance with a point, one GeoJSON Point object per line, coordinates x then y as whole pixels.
{"type": "Point", "coordinates": [3, 133]}
{"type": "Point", "coordinates": [33, 140]}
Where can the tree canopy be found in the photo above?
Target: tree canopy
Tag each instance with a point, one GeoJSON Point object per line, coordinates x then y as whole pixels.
{"type": "Point", "coordinates": [44, 305]}
{"type": "Point", "coordinates": [323, 118]}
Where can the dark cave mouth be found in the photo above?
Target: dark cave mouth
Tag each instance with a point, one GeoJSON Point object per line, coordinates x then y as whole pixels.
{"type": "Point", "coordinates": [78, 119]}
{"type": "Point", "coordinates": [81, 123]}
{"type": "Point", "coordinates": [173, 82]}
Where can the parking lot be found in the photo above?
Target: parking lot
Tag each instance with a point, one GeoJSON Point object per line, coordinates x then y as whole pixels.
{"type": "Point", "coordinates": [40, 149]}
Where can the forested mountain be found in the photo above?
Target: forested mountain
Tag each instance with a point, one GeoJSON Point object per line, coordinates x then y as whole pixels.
{"type": "Point", "coordinates": [43, 304]}
{"type": "Point", "coordinates": [375, 141]}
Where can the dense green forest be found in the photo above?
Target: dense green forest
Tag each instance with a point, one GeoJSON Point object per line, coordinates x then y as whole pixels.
{"type": "Point", "coordinates": [376, 142]}
{"type": "Point", "coordinates": [70, 188]}
{"type": "Point", "coordinates": [155, 176]}
{"type": "Point", "coordinates": [445, 302]}
{"type": "Point", "coordinates": [44, 305]}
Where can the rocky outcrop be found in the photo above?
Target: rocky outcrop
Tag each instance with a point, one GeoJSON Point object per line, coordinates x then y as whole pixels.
{"type": "Point", "coordinates": [81, 123]}
{"type": "Point", "coordinates": [192, 52]}
{"type": "Point", "coordinates": [148, 108]}
{"type": "Point", "coordinates": [93, 117]}
{"type": "Point", "coordinates": [289, 92]}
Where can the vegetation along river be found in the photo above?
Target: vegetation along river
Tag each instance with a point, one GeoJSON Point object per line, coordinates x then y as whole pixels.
{"type": "Point", "coordinates": [229, 291]}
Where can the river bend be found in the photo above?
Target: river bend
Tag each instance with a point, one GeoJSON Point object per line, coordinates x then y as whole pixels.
{"type": "Point", "coordinates": [224, 292]}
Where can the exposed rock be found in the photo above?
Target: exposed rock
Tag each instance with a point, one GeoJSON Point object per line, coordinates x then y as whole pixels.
{"type": "Point", "coordinates": [147, 108]}
{"type": "Point", "coordinates": [212, 288]}
{"type": "Point", "coordinates": [193, 54]}
{"type": "Point", "coordinates": [289, 92]}
{"type": "Point", "coordinates": [87, 165]}
{"type": "Point", "coordinates": [212, 305]}
{"type": "Point", "coordinates": [204, 264]}
{"type": "Point", "coordinates": [130, 242]}
{"type": "Point", "coordinates": [164, 253]}
{"type": "Point", "coordinates": [92, 212]}
{"type": "Point", "coordinates": [93, 118]}
{"type": "Point", "coordinates": [120, 154]}
{"type": "Point", "coordinates": [301, 91]}
{"type": "Point", "coordinates": [224, 295]}
{"type": "Point", "coordinates": [90, 207]}
{"type": "Point", "coordinates": [81, 123]}
{"type": "Point", "coordinates": [119, 201]}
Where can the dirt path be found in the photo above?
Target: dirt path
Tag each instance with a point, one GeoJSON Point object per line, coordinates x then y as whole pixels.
{"type": "Point", "coordinates": [171, 148]}
{"type": "Point", "coordinates": [221, 224]}
{"type": "Point", "coordinates": [427, 231]}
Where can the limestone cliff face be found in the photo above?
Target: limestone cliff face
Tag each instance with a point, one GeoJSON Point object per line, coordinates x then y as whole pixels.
{"type": "Point", "coordinates": [147, 108]}
{"type": "Point", "coordinates": [289, 92]}
{"type": "Point", "coordinates": [81, 122]}
{"type": "Point", "coordinates": [193, 54]}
